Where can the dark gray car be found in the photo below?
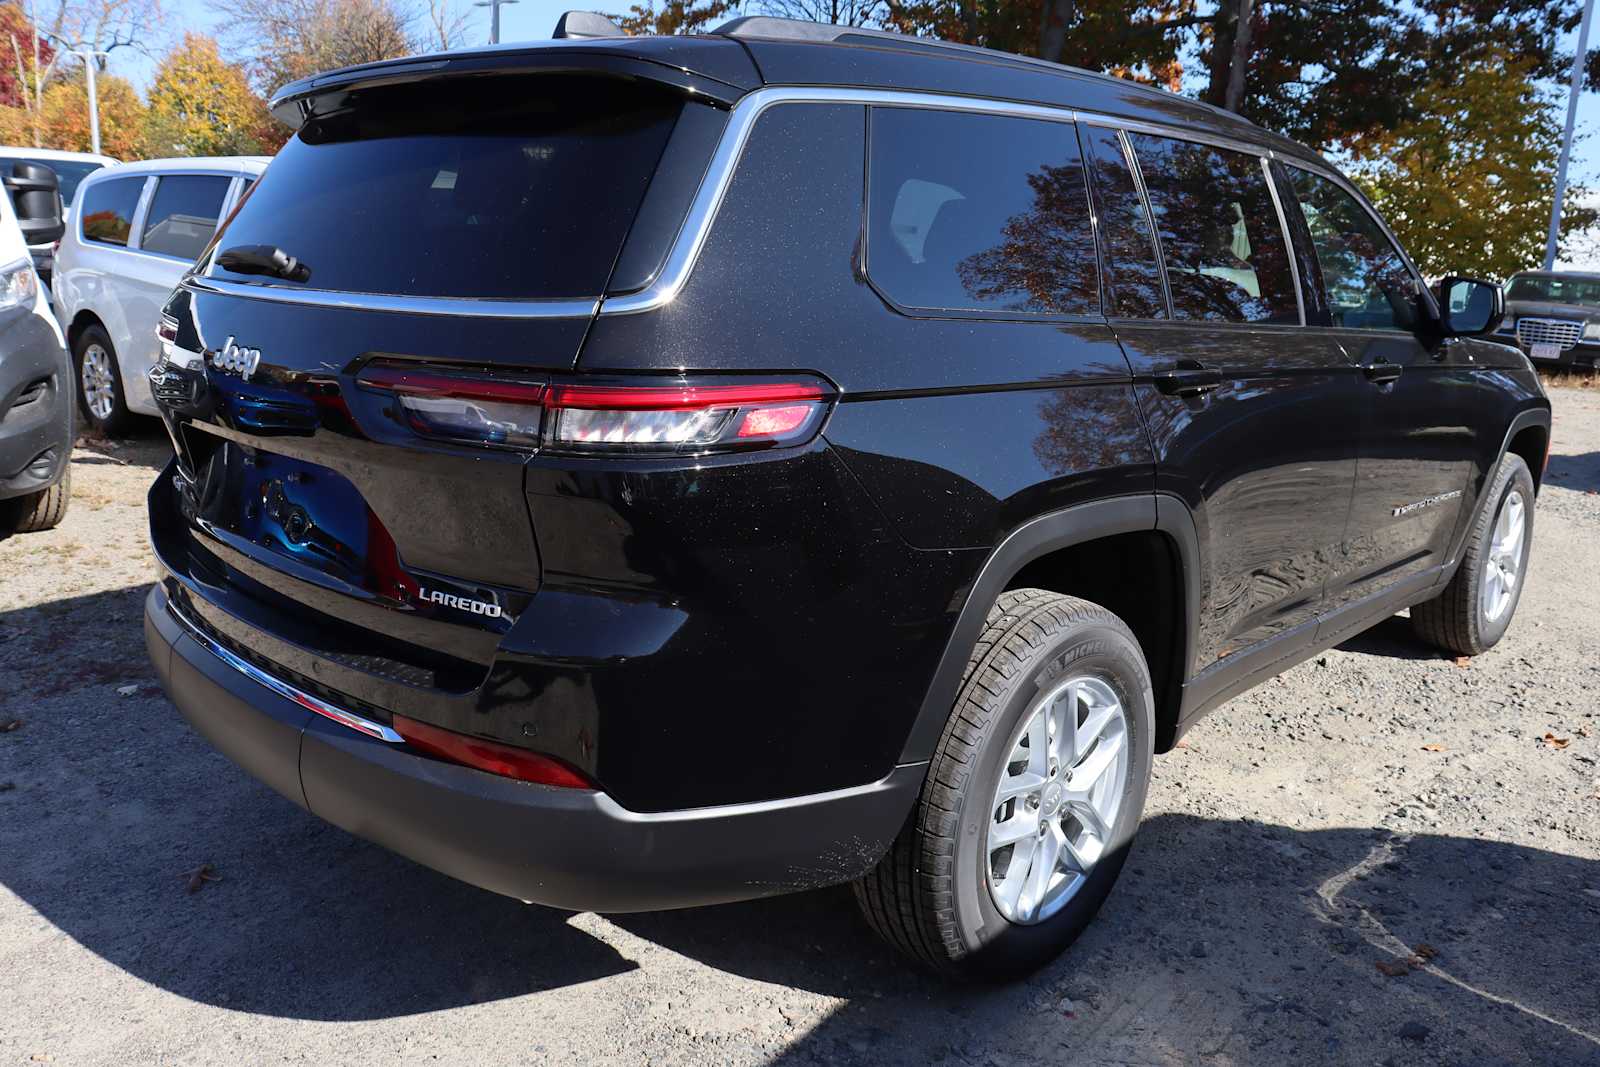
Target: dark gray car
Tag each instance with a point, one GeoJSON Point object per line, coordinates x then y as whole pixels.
{"type": "Point", "coordinates": [1555, 316]}
{"type": "Point", "coordinates": [35, 378]}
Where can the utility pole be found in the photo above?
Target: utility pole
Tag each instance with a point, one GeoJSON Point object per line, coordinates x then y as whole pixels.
{"type": "Point", "coordinates": [1566, 140]}
{"type": "Point", "coordinates": [494, 16]}
{"type": "Point", "coordinates": [89, 57]}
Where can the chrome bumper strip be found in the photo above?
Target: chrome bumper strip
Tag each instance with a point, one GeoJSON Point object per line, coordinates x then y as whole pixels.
{"type": "Point", "coordinates": [283, 688]}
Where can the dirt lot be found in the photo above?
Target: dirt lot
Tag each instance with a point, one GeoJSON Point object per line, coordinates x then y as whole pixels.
{"type": "Point", "coordinates": [1375, 806]}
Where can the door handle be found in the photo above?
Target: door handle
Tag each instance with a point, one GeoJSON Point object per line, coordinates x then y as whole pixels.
{"type": "Point", "coordinates": [1381, 372]}
{"type": "Point", "coordinates": [1189, 378]}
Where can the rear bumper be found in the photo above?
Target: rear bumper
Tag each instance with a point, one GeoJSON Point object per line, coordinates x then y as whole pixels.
{"type": "Point", "coordinates": [35, 436]}
{"type": "Point", "coordinates": [566, 848]}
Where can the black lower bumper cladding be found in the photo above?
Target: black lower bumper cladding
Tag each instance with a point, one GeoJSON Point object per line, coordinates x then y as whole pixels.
{"type": "Point", "coordinates": [567, 848]}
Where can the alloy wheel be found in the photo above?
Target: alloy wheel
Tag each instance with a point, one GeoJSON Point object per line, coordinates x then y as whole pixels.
{"type": "Point", "coordinates": [1503, 567]}
{"type": "Point", "coordinates": [1058, 798]}
{"type": "Point", "coordinates": [99, 387]}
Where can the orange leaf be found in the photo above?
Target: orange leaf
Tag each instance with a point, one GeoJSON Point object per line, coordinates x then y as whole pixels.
{"type": "Point", "coordinates": [1557, 742]}
{"type": "Point", "coordinates": [1433, 747]}
{"type": "Point", "coordinates": [1424, 950]}
{"type": "Point", "coordinates": [1463, 661]}
{"type": "Point", "coordinates": [1394, 970]}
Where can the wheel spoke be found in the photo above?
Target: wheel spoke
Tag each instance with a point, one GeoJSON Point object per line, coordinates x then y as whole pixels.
{"type": "Point", "coordinates": [1023, 824]}
{"type": "Point", "coordinates": [1063, 711]}
{"type": "Point", "coordinates": [1086, 775]}
{"type": "Point", "coordinates": [1015, 785]}
{"type": "Point", "coordinates": [1083, 855]}
{"type": "Point", "coordinates": [1093, 726]}
{"type": "Point", "coordinates": [1045, 855]}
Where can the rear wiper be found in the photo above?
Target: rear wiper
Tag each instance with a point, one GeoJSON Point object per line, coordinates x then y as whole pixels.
{"type": "Point", "coordinates": [263, 259]}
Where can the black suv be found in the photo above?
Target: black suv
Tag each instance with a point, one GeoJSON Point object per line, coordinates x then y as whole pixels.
{"type": "Point", "coordinates": [631, 473]}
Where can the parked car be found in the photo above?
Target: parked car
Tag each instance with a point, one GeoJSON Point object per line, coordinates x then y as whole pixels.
{"type": "Point", "coordinates": [70, 169]}
{"type": "Point", "coordinates": [137, 229]}
{"type": "Point", "coordinates": [35, 378]}
{"type": "Point", "coordinates": [1555, 316]}
{"type": "Point", "coordinates": [657, 471]}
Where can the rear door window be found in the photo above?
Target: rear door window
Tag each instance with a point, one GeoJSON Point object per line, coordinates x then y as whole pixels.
{"type": "Point", "coordinates": [1220, 233]}
{"type": "Point", "coordinates": [107, 210]}
{"type": "Point", "coordinates": [504, 187]}
{"type": "Point", "coordinates": [1368, 285]}
{"type": "Point", "coordinates": [183, 214]}
{"type": "Point", "coordinates": [979, 213]}
{"type": "Point", "coordinates": [1132, 273]}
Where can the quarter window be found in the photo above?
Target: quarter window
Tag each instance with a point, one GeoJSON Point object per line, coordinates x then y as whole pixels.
{"type": "Point", "coordinates": [183, 214]}
{"type": "Point", "coordinates": [1368, 284]}
{"type": "Point", "coordinates": [1220, 233]}
{"type": "Point", "coordinates": [980, 213]}
{"type": "Point", "coordinates": [107, 210]}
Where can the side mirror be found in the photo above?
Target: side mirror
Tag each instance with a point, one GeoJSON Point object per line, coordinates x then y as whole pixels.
{"type": "Point", "coordinates": [1470, 306]}
{"type": "Point", "coordinates": [36, 196]}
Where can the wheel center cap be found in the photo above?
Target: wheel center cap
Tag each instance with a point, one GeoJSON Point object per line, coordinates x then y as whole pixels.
{"type": "Point", "coordinates": [1050, 803]}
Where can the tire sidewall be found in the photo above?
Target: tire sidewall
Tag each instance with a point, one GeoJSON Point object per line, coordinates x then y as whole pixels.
{"type": "Point", "coordinates": [119, 407]}
{"type": "Point", "coordinates": [991, 941]}
{"type": "Point", "coordinates": [1514, 475]}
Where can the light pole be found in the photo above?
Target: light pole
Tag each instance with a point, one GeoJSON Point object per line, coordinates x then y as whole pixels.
{"type": "Point", "coordinates": [89, 55]}
{"type": "Point", "coordinates": [1566, 140]}
{"type": "Point", "coordinates": [494, 16]}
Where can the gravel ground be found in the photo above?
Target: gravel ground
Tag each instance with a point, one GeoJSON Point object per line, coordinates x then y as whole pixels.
{"type": "Point", "coordinates": [1381, 857]}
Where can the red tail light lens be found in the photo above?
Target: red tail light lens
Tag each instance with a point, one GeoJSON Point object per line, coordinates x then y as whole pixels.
{"type": "Point", "coordinates": [649, 417]}
{"type": "Point", "coordinates": [505, 760]}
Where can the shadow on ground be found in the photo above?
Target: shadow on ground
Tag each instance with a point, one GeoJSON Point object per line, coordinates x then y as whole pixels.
{"type": "Point", "coordinates": [1261, 939]}
{"type": "Point", "coordinates": [1580, 472]}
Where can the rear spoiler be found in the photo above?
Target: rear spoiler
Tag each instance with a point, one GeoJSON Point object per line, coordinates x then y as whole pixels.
{"type": "Point", "coordinates": [710, 68]}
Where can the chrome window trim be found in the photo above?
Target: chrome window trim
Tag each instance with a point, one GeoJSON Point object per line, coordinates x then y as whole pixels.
{"type": "Point", "coordinates": [348, 719]}
{"type": "Point", "coordinates": [724, 162]}
{"type": "Point", "coordinates": [470, 306]}
{"type": "Point", "coordinates": [696, 228]}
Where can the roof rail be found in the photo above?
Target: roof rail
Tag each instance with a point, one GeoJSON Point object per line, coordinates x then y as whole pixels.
{"type": "Point", "coordinates": [578, 25]}
{"type": "Point", "coordinates": [771, 28]}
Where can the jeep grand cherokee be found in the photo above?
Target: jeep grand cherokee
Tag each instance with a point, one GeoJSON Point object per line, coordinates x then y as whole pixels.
{"type": "Point", "coordinates": [671, 470]}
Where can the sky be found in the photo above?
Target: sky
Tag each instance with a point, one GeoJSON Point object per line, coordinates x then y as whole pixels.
{"type": "Point", "coordinates": [532, 20]}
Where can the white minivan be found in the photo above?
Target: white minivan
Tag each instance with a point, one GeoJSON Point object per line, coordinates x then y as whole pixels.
{"type": "Point", "coordinates": [135, 228]}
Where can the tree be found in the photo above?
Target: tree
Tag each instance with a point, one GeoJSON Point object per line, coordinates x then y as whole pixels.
{"type": "Point", "coordinates": [202, 106]}
{"type": "Point", "coordinates": [122, 116]}
{"type": "Point", "coordinates": [285, 40]}
{"type": "Point", "coordinates": [673, 16]}
{"type": "Point", "coordinates": [1467, 183]}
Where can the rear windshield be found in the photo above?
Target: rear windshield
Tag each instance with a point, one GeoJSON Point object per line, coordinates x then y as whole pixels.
{"type": "Point", "coordinates": [499, 187]}
{"type": "Point", "coordinates": [1555, 290]}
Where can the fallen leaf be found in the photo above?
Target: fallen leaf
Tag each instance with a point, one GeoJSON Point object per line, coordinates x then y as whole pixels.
{"type": "Point", "coordinates": [127, 690]}
{"type": "Point", "coordinates": [1583, 731]}
{"type": "Point", "coordinates": [1424, 950]}
{"type": "Point", "coordinates": [7, 727]}
{"type": "Point", "coordinates": [1394, 970]}
{"type": "Point", "coordinates": [1557, 742]}
{"type": "Point", "coordinates": [1463, 661]}
{"type": "Point", "coordinates": [200, 876]}
{"type": "Point", "coordinates": [1433, 747]}
{"type": "Point", "coordinates": [1183, 743]}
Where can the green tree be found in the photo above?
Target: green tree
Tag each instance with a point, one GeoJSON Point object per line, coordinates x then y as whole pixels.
{"type": "Point", "coordinates": [1467, 183]}
{"type": "Point", "coordinates": [202, 106]}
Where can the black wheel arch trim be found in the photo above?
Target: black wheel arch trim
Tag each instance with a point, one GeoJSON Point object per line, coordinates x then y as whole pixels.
{"type": "Point", "coordinates": [1522, 420]}
{"type": "Point", "coordinates": [1075, 525]}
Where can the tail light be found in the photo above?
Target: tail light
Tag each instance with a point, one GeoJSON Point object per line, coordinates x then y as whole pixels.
{"type": "Point", "coordinates": [505, 760]}
{"type": "Point", "coordinates": [680, 416]}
